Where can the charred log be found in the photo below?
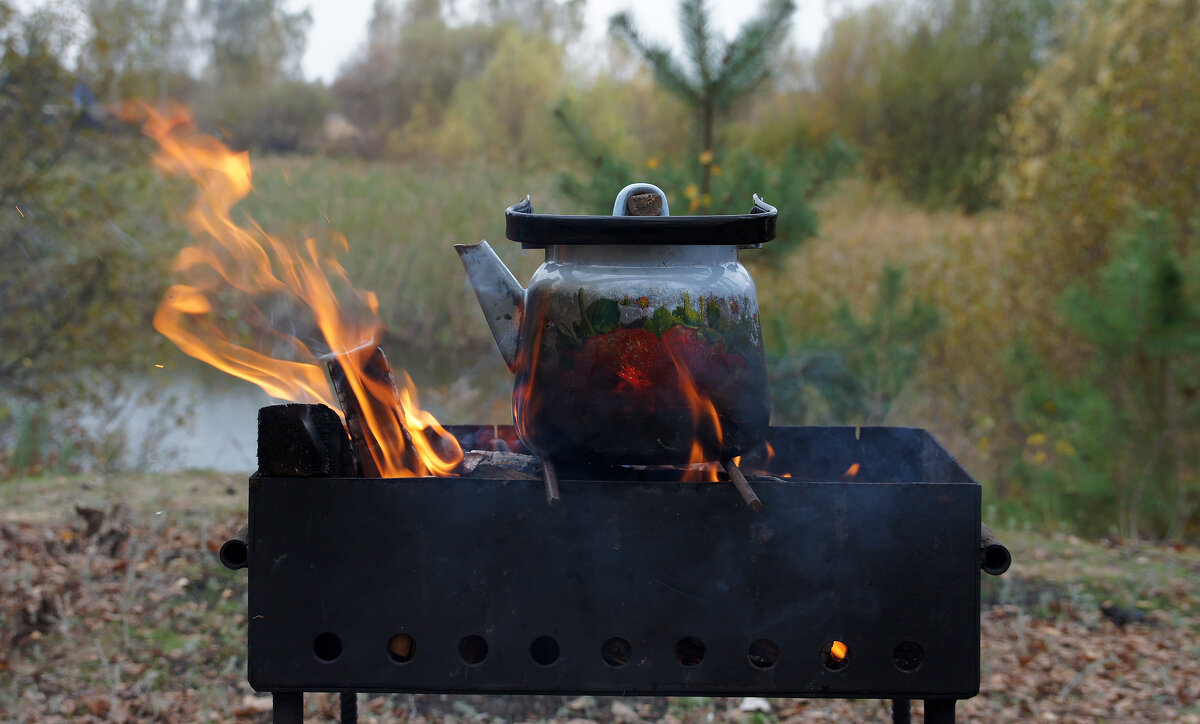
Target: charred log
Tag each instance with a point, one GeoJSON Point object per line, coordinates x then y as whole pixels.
{"type": "Point", "coordinates": [379, 374]}
{"type": "Point", "coordinates": [303, 441]}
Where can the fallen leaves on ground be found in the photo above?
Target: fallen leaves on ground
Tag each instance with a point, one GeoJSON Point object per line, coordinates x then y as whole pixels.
{"type": "Point", "coordinates": [111, 616]}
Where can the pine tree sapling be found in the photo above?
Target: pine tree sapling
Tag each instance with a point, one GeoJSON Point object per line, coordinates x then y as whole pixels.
{"type": "Point", "coordinates": [715, 73]}
{"type": "Point", "coordinates": [855, 372]}
{"type": "Point", "coordinates": [1117, 443]}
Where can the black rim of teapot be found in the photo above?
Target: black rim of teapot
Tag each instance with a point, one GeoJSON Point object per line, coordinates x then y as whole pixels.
{"type": "Point", "coordinates": [542, 230]}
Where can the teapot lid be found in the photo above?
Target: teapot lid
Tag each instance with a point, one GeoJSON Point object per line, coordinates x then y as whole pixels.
{"type": "Point", "coordinates": [541, 230]}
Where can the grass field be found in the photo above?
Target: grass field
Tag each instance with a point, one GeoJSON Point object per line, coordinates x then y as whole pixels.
{"type": "Point", "coordinates": [137, 621]}
{"type": "Point", "coordinates": [401, 222]}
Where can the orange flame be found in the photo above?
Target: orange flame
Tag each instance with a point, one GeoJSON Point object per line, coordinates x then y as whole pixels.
{"type": "Point", "coordinates": [852, 471]}
{"type": "Point", "coordinates": [838, 650]}
{"type": "Point", "coordinates": [241, 264]}
{"type": "Point", "coordinates": [706, 427]}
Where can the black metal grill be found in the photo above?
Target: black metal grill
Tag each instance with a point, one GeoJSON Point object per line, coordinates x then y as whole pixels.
{"type": "Point", "coordinates": [475, 585]}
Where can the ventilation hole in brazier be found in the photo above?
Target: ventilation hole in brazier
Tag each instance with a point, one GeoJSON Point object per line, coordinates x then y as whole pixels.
{"type": "Point", "coordinates": [689, 651]}
{"type": "Point", "coordinates": [401, 648]}
{"type": "Point", "coordinates": [764, 653]}
{"type": "Point", "coordinates": [835, 655]}
{"type": "Point", "coordinates": [908, 656]}
{"type": "Point", "coordinates": [473, 649]}
{"type": "Point", "coordinates": [616, 651]}
{"type": "Point", "coordinates": [544, 650]}
{"type": "Point", "coordinates": [327, 646]}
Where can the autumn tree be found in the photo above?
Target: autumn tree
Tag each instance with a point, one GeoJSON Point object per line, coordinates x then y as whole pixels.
{"type": "Point", "coordinates": [919, 88]}
{"type": "Point", "coordinates": [253, 88]}
{"type": "Point", "coordinates": [77, 252]}
{"type": "Point", "coordinates": [1103, 173]}
{"type": "Point", "coordinates": [136, 49]}
{"type": "Point", "coordinates": [252, 42]}
{"type": "Point", "coordinates": [412, 59]}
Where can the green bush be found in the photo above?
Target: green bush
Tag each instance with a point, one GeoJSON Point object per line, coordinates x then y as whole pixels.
{"type": "Point", "coordinates": [853, 373]}
{"type": "Point", "coordinates": [1114, 446]}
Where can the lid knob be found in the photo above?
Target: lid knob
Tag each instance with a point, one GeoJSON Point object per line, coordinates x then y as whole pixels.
{"type": "Point", "coordinates": [641, 199]}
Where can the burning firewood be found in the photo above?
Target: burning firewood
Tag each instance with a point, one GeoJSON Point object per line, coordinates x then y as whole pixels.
{"type": "Point", "coordinates": [378, 373]}
{"type": "Point", "coordinates": [743, 487]}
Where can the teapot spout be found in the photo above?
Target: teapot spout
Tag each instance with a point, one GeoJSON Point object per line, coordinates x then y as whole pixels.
{"type": "Point", "coordinates": [500, 295]}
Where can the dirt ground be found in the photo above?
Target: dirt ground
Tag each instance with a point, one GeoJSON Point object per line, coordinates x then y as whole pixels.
{"type": "Point", "coordinates": [113, 607]}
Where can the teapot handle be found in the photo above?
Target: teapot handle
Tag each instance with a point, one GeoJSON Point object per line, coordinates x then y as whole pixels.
{"type": "Point", "coordinates": [762, 207]}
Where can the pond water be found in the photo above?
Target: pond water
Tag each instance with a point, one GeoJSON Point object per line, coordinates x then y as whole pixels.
{"type": "Point", "coordinates": [209, 421]}
{"type": "Point", "coordinates": [193, 423]}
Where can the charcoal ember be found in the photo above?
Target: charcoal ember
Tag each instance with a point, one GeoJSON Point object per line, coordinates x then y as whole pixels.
{"type": "Point", "coordinates": [303, 441]}
{"type": "Point", "coordinates": [499, 465]}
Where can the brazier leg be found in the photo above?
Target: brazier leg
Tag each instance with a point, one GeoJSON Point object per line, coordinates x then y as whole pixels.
{"type": "Point", "coordinates": [901, 711]}
{"type": "Point", "coordinates": [939, 711]}
{"type": "Point", "coordinates": [288, 707]}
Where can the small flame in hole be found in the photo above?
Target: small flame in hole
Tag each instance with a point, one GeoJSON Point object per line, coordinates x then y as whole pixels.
{"type": "Point", "coordinates": [838, 651]}
{"type": "Point", "coordinates": [852, 471]}
{"type": "Point", "coordinates": [238, 281]}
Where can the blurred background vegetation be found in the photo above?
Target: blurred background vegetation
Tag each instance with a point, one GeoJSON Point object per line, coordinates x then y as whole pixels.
{"type": "Point", "coordinates": [989, 210]}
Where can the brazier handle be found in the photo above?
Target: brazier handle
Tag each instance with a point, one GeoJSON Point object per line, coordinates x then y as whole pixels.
{"type": "Point", "coordinates": [235, 552]}
{"type": "Point", "coordinates": [994, 556]}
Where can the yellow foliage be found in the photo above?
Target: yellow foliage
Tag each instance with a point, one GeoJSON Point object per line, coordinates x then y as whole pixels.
{"type": "Point", "coordinates": [1106, 128]}
{"type": "Point", "coordinates": [504, 114]}
{"type": "Point", "coordinates": [952, 260]}
{"type": "Point", "coordinates": [631, 116]}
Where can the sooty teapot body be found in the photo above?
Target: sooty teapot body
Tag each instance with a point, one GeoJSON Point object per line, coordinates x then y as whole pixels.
{"type": "Point", "coordinates": [638, 340]}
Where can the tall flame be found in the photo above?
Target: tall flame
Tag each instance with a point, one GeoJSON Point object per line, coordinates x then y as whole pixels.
{"type": "Point", "coordinates": [232, 267]}
{"type": "Point", "coordinates": [706, 431]}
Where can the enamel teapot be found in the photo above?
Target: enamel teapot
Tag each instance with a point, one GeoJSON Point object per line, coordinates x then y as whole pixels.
{"type": "Point", "coordinates": [638, 339]}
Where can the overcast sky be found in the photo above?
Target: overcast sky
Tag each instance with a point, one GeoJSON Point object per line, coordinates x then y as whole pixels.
{"type": "Point", "coordinates": [339, 26]}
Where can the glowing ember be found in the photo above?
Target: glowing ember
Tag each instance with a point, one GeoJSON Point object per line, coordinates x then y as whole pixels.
{"type": "Point", "coordinates": [838, 651]}
{"type": "Point", "coordinates": [851, 471]}
{"type": "Point", "coordinates": [233, 267]}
